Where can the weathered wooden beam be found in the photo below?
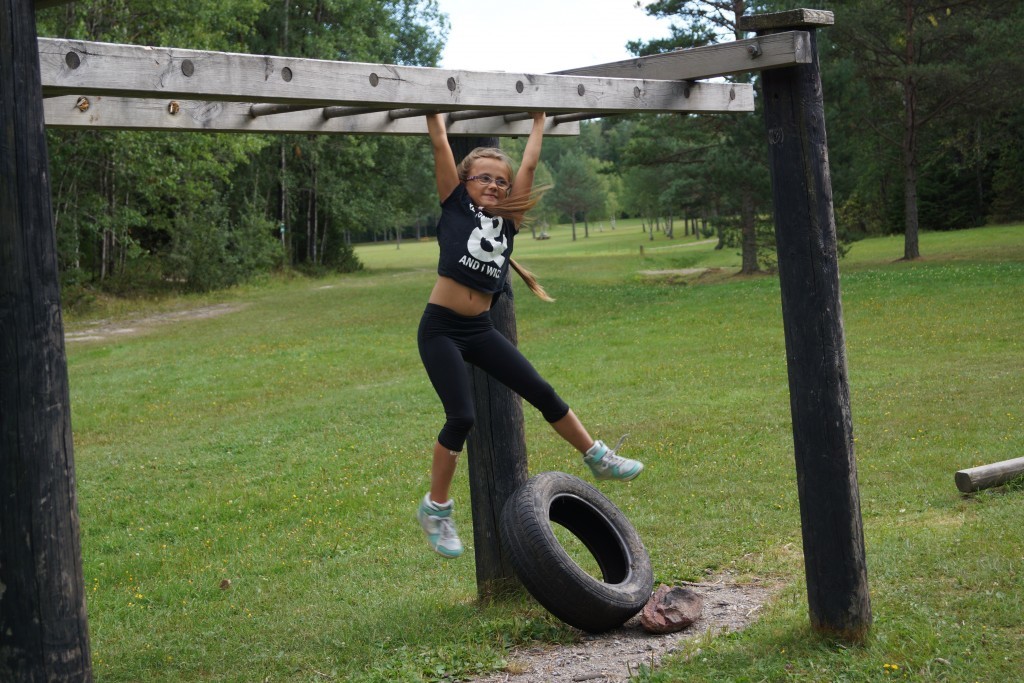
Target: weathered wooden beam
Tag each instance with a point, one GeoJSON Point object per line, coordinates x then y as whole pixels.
{"type": "Point", "coordinates": [787, 20]}
{"type": "Point", "coordinates": [740, 56]}
{"type": "Point", "coordinates": [72, 67]}
{"type": "Point", "coordinates": [234, 117]}
{"type": "Point", "coordinates": [986, 476]}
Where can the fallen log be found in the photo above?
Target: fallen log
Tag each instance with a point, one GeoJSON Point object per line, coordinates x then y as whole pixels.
{"type": "Point", "coordinates": [986, 476]}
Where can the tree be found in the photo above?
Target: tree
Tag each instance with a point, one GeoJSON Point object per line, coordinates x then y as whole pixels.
{"type": "Point", "coordinates": [740, 166]}
{"type": "Point", "coordinates": [325, 189]}
{"type": "Point", "coordinates": [578, 189]}
{"type": "Point", "coordinates": [202, 211]}
{"type": "Point", "coordinates": [928, 61]}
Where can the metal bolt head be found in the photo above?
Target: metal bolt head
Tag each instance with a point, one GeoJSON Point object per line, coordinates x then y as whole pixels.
{"type": "Point", "coordinates": [173, 108]}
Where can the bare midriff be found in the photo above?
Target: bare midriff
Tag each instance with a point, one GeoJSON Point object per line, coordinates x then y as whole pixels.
{"type": "Point", "coordinates": [459, 298]}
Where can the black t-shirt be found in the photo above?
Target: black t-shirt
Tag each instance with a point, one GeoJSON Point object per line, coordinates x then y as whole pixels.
{"type": "Point", "coordinates": [475, 247]}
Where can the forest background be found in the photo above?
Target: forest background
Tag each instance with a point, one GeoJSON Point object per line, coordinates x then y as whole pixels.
{"type": "Point", "coordinates": [922, 97]}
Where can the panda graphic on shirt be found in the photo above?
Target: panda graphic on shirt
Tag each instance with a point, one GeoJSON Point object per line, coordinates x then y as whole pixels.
{"type": "Point", "coordinates": [486, 245]}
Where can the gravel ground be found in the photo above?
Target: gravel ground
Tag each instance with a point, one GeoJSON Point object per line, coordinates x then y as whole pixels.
{"type": "Point", "coordinates": [609, 657]}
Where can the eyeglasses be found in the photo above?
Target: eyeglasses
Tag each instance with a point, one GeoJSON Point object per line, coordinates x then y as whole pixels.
{"type": "Point", "coordinates": [487, 179]}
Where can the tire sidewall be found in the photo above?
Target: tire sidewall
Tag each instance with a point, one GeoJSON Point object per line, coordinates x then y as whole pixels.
{"type": "Point", "coordinates": [552, 576]}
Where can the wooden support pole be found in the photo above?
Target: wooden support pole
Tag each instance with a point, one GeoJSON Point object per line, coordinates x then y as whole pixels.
{"type": "Point", "coordinates": [496, 448]}
{"type": "Point", "coordinates": [43, 630]}
{"type": "Point", "coordinates": [986, 476]}
{"type": "Point", "coordinates": [833, 536]}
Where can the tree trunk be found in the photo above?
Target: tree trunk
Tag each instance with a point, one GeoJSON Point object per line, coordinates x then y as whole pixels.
{"type": "Point", "coordinates": [43, 629]}
{"type": "Point", "coordinates": [283, 207]}
{"type": "Point", "coordinates": [910, 217]}
{"type": "Point", "coordinates": [911, 250]}
{"type": "Point", "coordinates": [749, 230]}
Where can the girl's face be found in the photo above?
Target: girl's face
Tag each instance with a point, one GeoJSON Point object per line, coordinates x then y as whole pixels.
{"type": "Point", "coordinates": [487, 195]}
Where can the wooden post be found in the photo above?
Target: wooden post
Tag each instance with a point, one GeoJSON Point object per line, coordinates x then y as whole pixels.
{"type": "Point", "coordinates": [496, 448]}
{"type": "Point", "coordinates": [43, 631]}
{"type": "Point", "coordinates": [833, 535]}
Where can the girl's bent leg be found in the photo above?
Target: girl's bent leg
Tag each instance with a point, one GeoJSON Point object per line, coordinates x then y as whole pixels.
{"type": "Point", "coordinates": [442, 472]}
{"type": "Point", "coordinates": [572, 430]}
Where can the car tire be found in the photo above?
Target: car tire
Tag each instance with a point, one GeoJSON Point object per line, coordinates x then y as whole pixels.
{"type": "Point", "coordinates": [552, 576]}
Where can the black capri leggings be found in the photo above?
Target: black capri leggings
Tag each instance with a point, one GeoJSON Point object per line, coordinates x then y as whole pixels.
{"type": "Point", "coordinates": [448, 341]}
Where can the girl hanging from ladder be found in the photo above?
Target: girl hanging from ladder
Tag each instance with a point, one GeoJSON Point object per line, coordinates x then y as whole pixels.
{"type": "Point", "coordinates": [482, 209]}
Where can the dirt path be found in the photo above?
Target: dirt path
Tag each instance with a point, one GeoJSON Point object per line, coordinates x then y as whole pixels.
{"type": "Point", "coordinates": [610, 657]}
{"type": "Point", "coordinates": [101, 330]}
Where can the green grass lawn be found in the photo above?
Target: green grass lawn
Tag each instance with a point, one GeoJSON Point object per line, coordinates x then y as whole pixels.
{"type": "Point", "coordinates": [247, 483]}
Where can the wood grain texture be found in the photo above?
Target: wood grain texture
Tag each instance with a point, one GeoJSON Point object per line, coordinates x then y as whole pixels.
{"type": "Point", "coordinates": [986, 476]}
{"type": "Point", "coordinates": [136, 113]}
{"type": "Point", "coordinates": [43, 631]}
{"type": "Point", "coordinates": [724, 59]}
{"type": "Point", "coordinates": [71, 67]}
{"type": "Point", "coordinates": [805, 233]}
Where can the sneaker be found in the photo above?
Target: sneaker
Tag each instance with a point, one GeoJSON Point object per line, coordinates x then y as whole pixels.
{"type": "Point", "coordinates": [439, 527]}
{"type": "Point", "coordinates": [606, 464]}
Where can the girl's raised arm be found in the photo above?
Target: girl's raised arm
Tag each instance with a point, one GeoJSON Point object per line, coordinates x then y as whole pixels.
{"type": "Point", "coordinates": [531, 158]}
{"type": "Point", "coordinates": [445, 172]}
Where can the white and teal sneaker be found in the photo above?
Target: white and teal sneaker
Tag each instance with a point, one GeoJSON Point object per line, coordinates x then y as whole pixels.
{"type": "Point", "coordinates": [439, 527]}
{"type": "Point", "coordinates": [606, 464]}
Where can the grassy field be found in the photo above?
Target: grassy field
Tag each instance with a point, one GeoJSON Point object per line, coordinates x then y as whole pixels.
{"type": "Point", "coordinates": [247, 482]}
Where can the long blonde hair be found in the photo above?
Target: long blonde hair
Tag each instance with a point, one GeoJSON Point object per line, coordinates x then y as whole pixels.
{"type": "Point", "coordinates": [513, 208]}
